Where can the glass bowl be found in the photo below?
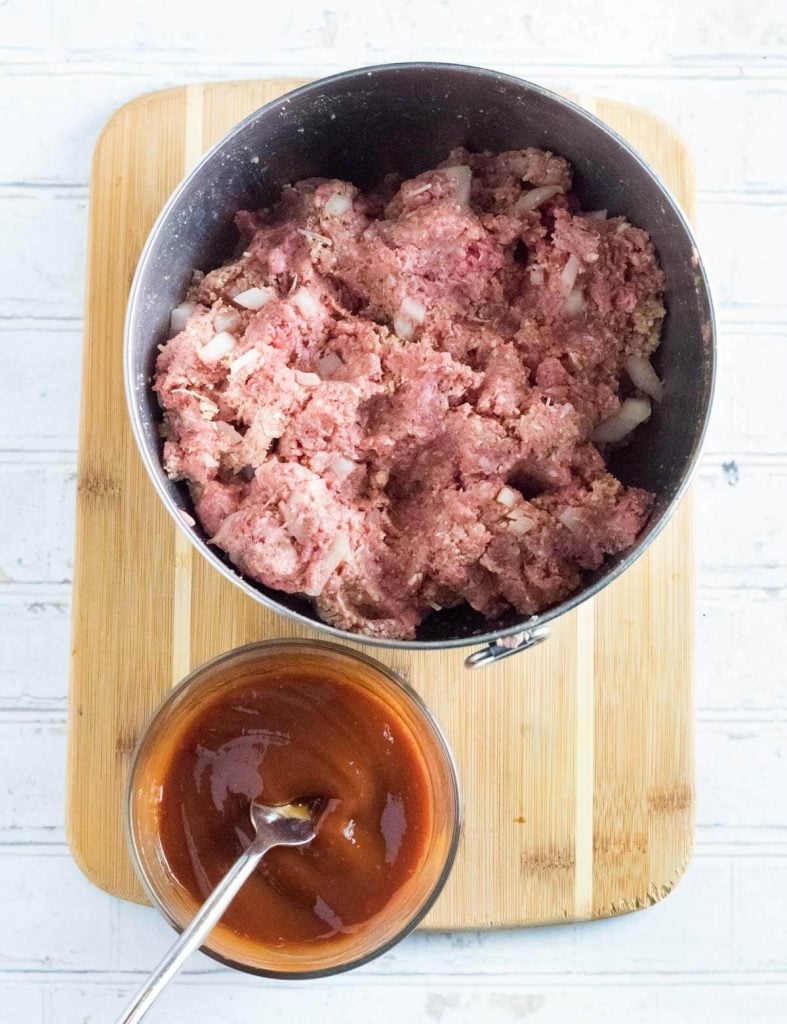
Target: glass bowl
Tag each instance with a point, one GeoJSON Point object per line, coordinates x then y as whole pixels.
{"type": "Point", "coordinates": [253, 663]}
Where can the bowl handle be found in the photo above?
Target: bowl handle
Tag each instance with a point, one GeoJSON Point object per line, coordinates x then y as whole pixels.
{"type": "Point", "coordinates": [497, 651]}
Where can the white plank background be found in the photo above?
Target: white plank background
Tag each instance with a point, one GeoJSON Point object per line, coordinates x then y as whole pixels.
{"type": "Point", "coordinates": [715, 950]}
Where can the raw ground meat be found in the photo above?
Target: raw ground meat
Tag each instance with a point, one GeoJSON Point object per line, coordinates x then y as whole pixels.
{"type": "Point", "coordinates": [404, 419]}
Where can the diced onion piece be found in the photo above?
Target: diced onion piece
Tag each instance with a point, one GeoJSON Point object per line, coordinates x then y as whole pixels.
{"type": "Point", "coordinates": [341, 467]}
{"type": "Point", "coordinates": [337, 553]}
{"type": "Point", "coordinates": [413, 310]}
{"type": "Point", "coordinates": [533, 198]}
{"type": "Point", "coordinates": [631, 413]}
{"type": "Point", "coordinates": [219, 346]}
{"type": "Point", "coordinates": [247, 360]}
{"type": "Point", "coordinates": [595, 215]}
{"type": "Point", "coordinates": [536, 276]}
{"type": "Point", "coordinates": [572, 520]}
{"type": "Point", "coordinates": [575, 302]}
{"type": "Point", "coordinates": [507, 496]}
{"type": "Point", "coordinates": [404, 328]}
{"type": "Point", "coordinates": [310, 380]}
{"type": "Point", "coordinates": [568, 275]}
{"type": "Point", "coordinates": [293, 520]}
{"type": "Point", "coordinates": [411, 314]}
{"type": "Point", "coordinates": [306, 303]}
{"type": "Point", "coordinates": [419, 191]}
{"type": "Point", "coordinates": [644, 377]}
{"type": "Point", "coordinates": [228, 432]}
{"type": "Point", "coordinates": [254, 298]}
{"type": "Point", "coordinates": [179, 317]}
{"type": "Point", "coordinates": [463, 177]}
{"type": "Point", "coordinates": [337, 205]}
{"type": "Point", "coordinates": [519, 524]}
{"type": "Point", "coordinates": [227, 320]}
{"type": "Point", "coordinates": [207, 408]}
{"type": "Point", "coordinates": [328, 365]}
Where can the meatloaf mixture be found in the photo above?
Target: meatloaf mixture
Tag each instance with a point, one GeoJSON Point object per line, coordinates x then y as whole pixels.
{"type": "Point", "coordinates": [400, 400]}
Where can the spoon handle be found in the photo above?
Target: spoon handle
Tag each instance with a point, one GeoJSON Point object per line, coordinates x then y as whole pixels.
{"type": "Point", "coordinates": [192, 937]}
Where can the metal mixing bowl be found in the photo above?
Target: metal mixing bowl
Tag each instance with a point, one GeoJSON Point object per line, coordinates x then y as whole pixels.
{"type": "Point", "coordinates": [359, 126]}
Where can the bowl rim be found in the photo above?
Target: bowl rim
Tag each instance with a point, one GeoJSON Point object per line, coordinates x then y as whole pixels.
{"type": "Point", "coordinates": [194, 677]}
{"type": "Point", "coordinates": [490, 637]}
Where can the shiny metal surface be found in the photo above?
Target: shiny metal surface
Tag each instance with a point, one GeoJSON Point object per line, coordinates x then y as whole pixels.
{"type": "Point", "coordinates": [499, 650]}
{"type": "Point", "coordinates": [361, 125]}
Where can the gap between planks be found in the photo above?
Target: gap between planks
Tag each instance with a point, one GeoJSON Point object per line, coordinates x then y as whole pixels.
{"type": "Point", "coordinates": [584, 762]}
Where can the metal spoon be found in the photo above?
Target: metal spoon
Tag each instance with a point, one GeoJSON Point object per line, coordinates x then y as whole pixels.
{"type": "Point", "coordinates": [289, 825]}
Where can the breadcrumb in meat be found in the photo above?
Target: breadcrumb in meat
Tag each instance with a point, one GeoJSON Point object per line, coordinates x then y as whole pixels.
{"type": "Point", "coordinates": [404, 422]}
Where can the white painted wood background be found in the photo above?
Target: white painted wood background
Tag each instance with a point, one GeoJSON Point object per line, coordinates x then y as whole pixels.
{"type": "Point", "coordinates": [716, 949]}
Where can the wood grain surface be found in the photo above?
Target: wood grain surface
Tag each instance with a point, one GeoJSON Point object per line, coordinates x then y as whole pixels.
{"type": "Point", "coordinates": [576, 758]}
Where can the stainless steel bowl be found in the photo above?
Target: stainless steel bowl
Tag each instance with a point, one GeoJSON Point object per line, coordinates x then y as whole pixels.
{"type": "Point", "coordinates": [359, 126]}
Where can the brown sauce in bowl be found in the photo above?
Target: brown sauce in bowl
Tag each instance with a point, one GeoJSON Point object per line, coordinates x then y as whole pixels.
{"type": "Point", "coordinates": [295, 733]}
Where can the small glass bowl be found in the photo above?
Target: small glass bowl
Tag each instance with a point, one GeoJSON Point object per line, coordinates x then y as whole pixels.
{"type": "Point", "coordinates": [409, 904]}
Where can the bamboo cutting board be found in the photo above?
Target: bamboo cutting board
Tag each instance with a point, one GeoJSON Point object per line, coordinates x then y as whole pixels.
{"type": "Point", "coordinates": [576, 758]}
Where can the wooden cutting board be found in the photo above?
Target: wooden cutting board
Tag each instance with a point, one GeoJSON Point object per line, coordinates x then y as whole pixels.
{"type": "Point", "coordinates": [576, 758]}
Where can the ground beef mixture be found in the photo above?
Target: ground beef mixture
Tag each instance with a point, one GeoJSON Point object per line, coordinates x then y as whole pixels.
{"type": "Point", "coordinates": [388, 402]}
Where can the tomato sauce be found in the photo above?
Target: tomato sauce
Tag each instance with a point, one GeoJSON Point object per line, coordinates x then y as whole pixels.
{"type": "Point", "coordinates": [294, 734]}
